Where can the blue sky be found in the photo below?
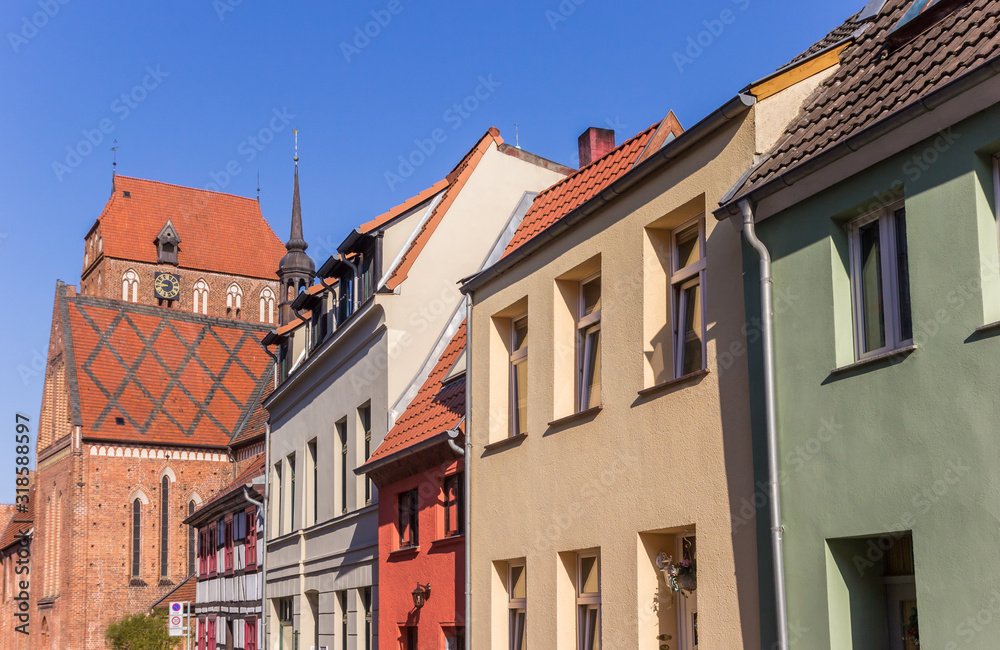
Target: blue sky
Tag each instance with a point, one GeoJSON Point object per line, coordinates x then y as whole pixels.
{"type": "Point", "coordinates": [193, 90]}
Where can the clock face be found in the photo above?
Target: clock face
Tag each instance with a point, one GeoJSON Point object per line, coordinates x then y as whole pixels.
{"type": "Point", "coordinates": [167, 286]}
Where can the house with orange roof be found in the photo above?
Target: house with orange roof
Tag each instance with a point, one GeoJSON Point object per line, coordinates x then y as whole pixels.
{"type": "Point", "coordinates": [353, 352]}
{"type": "Point", "coordinates": [419, 473]}
{"type": "Point", "coordinates": [150, 405]}
{"type": "Point", "coordinates": [609, 436]}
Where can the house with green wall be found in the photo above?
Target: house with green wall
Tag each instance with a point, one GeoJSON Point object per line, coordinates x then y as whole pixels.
{"type": "Point", "coordinates": [876, 217]}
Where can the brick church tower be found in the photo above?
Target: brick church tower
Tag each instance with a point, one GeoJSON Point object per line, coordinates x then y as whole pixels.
{"type": "Point", "coordinates": [151, 400]}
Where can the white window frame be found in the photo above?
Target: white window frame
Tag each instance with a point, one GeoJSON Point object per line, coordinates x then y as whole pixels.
{"type": "Point", "coordinates": [682, 279]}
{"type": "Point", "coordinates": [130, 283]}
{"type": "Point", "coordinates": [267, 306]}
{"type": "Point", "coordinates": [517, 357]}
{"type": "Point", "coordinates": [586, 603]}
{"type": "Point", "coordinates": [886, 218]}
{"type": "Point", "coordinates": [201, 290]}
{"type": "Point", "coordinates": [585, 325]}
{"type": "Point", "coordinates": [234, 298]}
{"type": "Point", "coordinates": [517, 607]}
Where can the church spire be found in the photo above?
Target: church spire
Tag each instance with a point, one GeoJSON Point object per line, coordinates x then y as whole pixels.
{"type": "Point", "coordinates": [296, 269]}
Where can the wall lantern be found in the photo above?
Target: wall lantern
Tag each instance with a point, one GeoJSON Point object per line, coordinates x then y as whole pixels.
{"type": "Point", "coordinates": [421, 594]}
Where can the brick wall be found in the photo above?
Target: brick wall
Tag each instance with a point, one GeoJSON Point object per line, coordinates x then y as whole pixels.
{"type": "Point", "coordinates": [111, 271]}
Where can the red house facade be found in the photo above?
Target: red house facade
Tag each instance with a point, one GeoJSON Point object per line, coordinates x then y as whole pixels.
{"type": "Point", "coordinates": [419, 473]}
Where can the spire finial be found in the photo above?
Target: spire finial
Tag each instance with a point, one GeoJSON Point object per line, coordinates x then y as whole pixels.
{"type": "Point", "coordinates": [296, 132]}
{"type": "Point", "coordinates": [114, 165]}
{"type": "Point", "coordinates": [517, 136]}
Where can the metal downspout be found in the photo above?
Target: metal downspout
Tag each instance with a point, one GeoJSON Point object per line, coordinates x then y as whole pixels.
{"type": "Point", "coordinates": [468, 473]}
{"type": "Point", "coordinates": [770, 413]}
{"type": "Point", "coordinates": [263, 559]}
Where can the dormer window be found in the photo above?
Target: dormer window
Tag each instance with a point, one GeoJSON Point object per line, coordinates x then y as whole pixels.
{"type": "Point", "coordinates": [166, 245]}
{"type": "Point", "coordinates": [922, 14]}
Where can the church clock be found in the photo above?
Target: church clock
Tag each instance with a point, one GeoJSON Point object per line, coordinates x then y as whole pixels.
{"type": "Point", "coordinates": [167, 286]}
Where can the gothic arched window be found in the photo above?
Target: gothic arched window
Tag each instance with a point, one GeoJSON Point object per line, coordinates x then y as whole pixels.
{"type": "Point", "coordinates": [164, 525]}
{"type": "Point", "coordinates": [130, 286]}
{"type": "Point", "coordinates": [136, 536]}
{"type": "Point", "coordinates": [201, 297]}
{"type": "Point", "coordinates": [267, 306]}
{"type": "Point", "coordinates": [234, 300]}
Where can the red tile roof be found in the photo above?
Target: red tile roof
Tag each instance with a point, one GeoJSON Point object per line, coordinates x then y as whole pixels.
{"type": "Point", "coordinates": [875, 81]}
{"type": "Point", "coordinates": [221, 233]}
{"type": "Point", "coordinates": [21, 522]}
{"type": "Point", "coordinates": [255, 425]}
{"type": "Point", "coordinates": [436, 408]}
{"type": "Point", "coordinates": [570, 193]}
{"type": "Point", "coordinates": [455, 182]}
{"type": "Point", "coordinates": [253, 470]}
{"type": "Point", "coordinates": [184, 592]}
{"type": "Point", "coordinates": [143, 374]}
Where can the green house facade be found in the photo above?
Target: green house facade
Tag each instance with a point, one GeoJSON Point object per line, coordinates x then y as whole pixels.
{"type": "Point", "coordinates": [879, 212]}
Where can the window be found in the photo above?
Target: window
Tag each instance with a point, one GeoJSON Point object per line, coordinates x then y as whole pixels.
{"type": "Point", "coordinates": [880, 281]}
{"type": "Point", "coordinates": [213, 548]}
{"type": "Point", "coordinates": [229, 544]}
{"type": "Point", "coordinates": [588, 601]}
{"type": "Point", "coordinates": [455, 638]}
{"type": "Point", "coordinates": [267, 306]}
{"type": "Point", "coordinates": [164, 526]}
{"type": "Point", "coordinates": [366, 603]}
{"type": "Point", "coordinates": [342, 437]}
{"type": "Point", "coordinates": [687, 253]}
{"type": "Point", "coordinates": [279, 492]}
{"type": "Point", "coordinates": [200, 297]}
{"type": "Point", "coordinates": [517, 604]}
{"type": "Point", "coordinates": [130, 286]}
{"type": "Point", "coordinates": [250, 634]}
{"type": "Point", "coordinates": [408, 534]}
{"type": "Point", "coordinates": [365, 417]}
{"type": "Point", "coordinates": [136, 536]}
{"type": "Point", "coordinates": [251, 543]}
{"type": "Point", "coordinates": [291, 492]}
{"type": "Point", "coordinates": [454, 503]}
{"type": "Point", "coordinates": [588, 344]}
{"type": "Point", "coordinates": [234, 301]}
{"type": "Point", "coordinates": [410, 634]}
{"type": "Point", "coordinates": [519, 376]}
{"type": "Point", "coordinates": [314, 482]}
{"type": "Point", "coordinates": [342, 603]}
{"type": "Point", "coordinates": [192, 549]}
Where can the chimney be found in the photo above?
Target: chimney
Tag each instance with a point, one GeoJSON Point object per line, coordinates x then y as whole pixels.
{"type": "Point", "coordinates": [594, 143]}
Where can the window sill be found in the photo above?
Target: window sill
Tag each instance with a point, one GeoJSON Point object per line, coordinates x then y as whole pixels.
{"type": "Point", "coordinates": [667, 385]}
{"type": "Point", "coordinates": [988, 327]}
{"type": "Point", "coordinates": [576, 417]}
{"type": "Point", "coordinates": [512, 441]}
{"type": "Point", "coordinates": [447, 541]}
{"type": "Point", "coordinates": [403, 552]}
{"type": "Point", "coordinates": [136, 582]}
{"type": "Point", "coordinates": [891, 355]}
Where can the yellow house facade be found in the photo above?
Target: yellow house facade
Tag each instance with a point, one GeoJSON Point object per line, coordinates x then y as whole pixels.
{"type": "Point", "coordinates": [611, 461]}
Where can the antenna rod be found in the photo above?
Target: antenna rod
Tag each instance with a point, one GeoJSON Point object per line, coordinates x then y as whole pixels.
{"type": "Point", "coordinates": [517, 136]}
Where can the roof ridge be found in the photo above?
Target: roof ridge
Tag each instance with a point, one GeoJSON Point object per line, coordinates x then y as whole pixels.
{"type": "Point", "coordinates": [551, 188]}
{"type": "Point", "coordinates": [184, 187]}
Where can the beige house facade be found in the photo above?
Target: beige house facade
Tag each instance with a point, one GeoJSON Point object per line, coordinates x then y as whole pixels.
{"type": "Point", "coordinates": [612, 459]}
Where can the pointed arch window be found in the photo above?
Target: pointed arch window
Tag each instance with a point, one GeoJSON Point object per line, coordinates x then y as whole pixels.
{"type": "Point", "coordinates": [267, 306]}
{"type": "Point", "coordinates": [192, 551]}
{"type": "Point", "coordinates": [130, 286]}
{"type": "Point", "coordinates": [136, 536]}
{"type": "Point", "coordinates": [201, 297]}
{"type": "Point", "coordinates": [164, 525]}
{"type": "Point", "coordinates": [234, 300]}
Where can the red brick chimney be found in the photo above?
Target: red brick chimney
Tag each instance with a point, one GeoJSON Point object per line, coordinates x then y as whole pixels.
{"type": "Point", "coordinates": [594, 143]}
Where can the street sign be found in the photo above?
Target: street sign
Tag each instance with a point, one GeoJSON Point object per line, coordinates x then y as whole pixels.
{"type": "Point", "coordinates": [176, 621]}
